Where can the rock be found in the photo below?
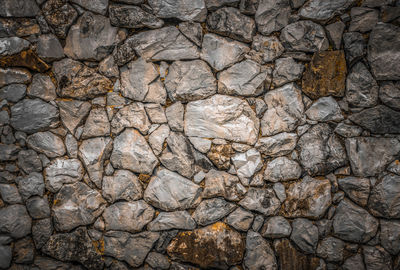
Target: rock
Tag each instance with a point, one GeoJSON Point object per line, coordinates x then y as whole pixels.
{"type": "Point", "coordinates": [277, 145]}
{"type": "Point", "coordinates": [49, 48]}
{"type": "Point", "coordinates": [285, 110]}
{"type": "Point", "coordinates": [216, 245]}
{"type": "Point", "coordinates": [10, 194]}
{"type": "Point", "coordinates": [128, 216]}
{"type": "Point", "coordinates": [331, 249]}
{"type": "Point", "coordinates": [131, 248]}
{"type": "Point", "coordinates": [261, 200]}
{"type": "Point", "coordinates": [59, 15]}
{"type": "Point", "coordinates": [248, 7]}
{"type": "Point", "coordinates": [42, 87]}
{"type": "Point", "coordinates": [131, 116]}
{"type": "Point", "coordinates": [220, 155]}
{"type": "Point", "coordinates": [354, 262]}
{"type": "Point", "coordinates": [267, 48]}
{"type": "Point", "coordinates": [200, 144]}
{"type": "Point", "coordinates": [75, 205]}
{"type": "Point", "coordinates": [14, 76]}
{"type": "Point", "coordinates": [304, 235]}
{"type": "Point", "coordinates": [97, 124]}
{"type": "Point", "coordinates": [169, 191]}
{"type": "Point", "coordinates": [62, 171]}
{"type": "Point", "coordinates": [384, 197]}
{"type": "Point", "coordinates": [212, 210]}
{"type": "Point", "coordinates": [18, 27]}
{"type": "Point", "coordinates": [247, 164]}
{"type": "Point", "coordinates": [369, 156]}
{"type": "Point", "coordinates": [13, 45]}
{"type": "Point", "coordinates": [215, 4]}
{"type": "Point", "coordinates": [259, 253]}
{"type": "Point", "coordinates": [97, 6]}
{"type": "Point", "coordinates": [42, 229]}
{"type": "Point", "coordinates": [122, 185]}
{"type": "Point", "coordinates": [172, 220]}
{"type": "Point", "coordinates": [159, 260]}
{"type": "Point", "coordinates": [156, 113]}
{"type": "Point", "coordinates": [5, 256]}
{"type": "Point", "coordinates": [246, 78]}
{"type": "Point", "coordinates": [335, 33]}
{"type": "Point", "coordinates": [221, 117]}
{"type": "Point", "coordinates": [33, 115]}
{"type": "Point", "coordinates": [394, 167]}
{"type": "Point", "coordinates": [389, 94]}
{"type": "Point", "coordinates": [282, 169]}
{"type": "Point", "coordinates": [384, 39]}
{"type": "Point", "coordinates": [93, 152]}
{"type": "Point", "coordinates": [190, 80]}
{"type": "Point", "coordinates": [158, 137]}
{"type": "Point", "coordinates": [354, 46]}
{"type": "Point", "coordinates": [320, 10]}
{"type": "Point", "coordinates": [362, 89]}
{"type": "Point", "coordinates": [38, 207]}
{"type": "Point", "coordinates": [174, 114]}
{"type": "Point", "coordinates": [276, 227]}
{"type": "Point", "coordinates": [357, 189]}
{"type": "Point", "coordinates": [228, 21]}
{"type": "Point", "coordinates": [321, 152]}
{"type": "Point", "coordinates": [363, 19]}
{"type": "Point", "coordinates": [222, 52]}
{"type": "Point", "coordinates": [15, 221]}
{"type": "Point", "coordinates": [131, 152]}
{"type": "Point", "coordinates": [108, 68]}
{"type": "Point", "coordinates": [182, 10]}
{"type": "Point", "coordinates": [76, 80]}
{"type": "Point", "coordinates": [309, 198]}
{"type": "Point", "coordinates": [74, 247]}
{"type": "Point", "coordinates": [325, 109]}
{"type": "Point", "coordinates": [389, 235]}
{"type": "Point", "coordinates": [27, 59]}
{"type": "Point", "coordinates": [29, 161]}
{"type": "Point", "coordinates": [346, 130]}
{"type": "Point", "coordinates": [46, 143]}
{"type": "Point", "coordinates": [286, 70]}
{"type": "Point", "coordinates": [30, 185]}
{"type": "Point", "coordinates": [13, 92]}
{"type": "Point", "coordinates": [377, 258]}
{"type": "Point", "coordinates": [220, 183]}
{"type": "Point", "coordinates": [18, 8]}
{"type": "Point", "coordinates": [272, 15]}
{"type": "Point", "coordinates": [133, 17]}
{"type": "Point", "coordinates": [353, 223]}
{"type": "Point", "coordinates": [240, 219]}
{"type": "Point", "coordinates": [72, 113]}
{"type": "Point", "coordinates": [325, 75]}
{"type": "Point", "coordinates": [193, 31]}
{"type": "Point", "coordinates": [8, 152]}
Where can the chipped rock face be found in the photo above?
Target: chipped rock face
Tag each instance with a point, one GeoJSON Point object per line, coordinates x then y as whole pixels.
{"type": "Point", "coordinates": [272, 16]}
{"type": "Point", "coordinates": [278, 145]}
{"type": "Point", "coordinates": [263, 201]}
{"type": "Point", "coordinates": [62, 171]}
{"type": "Point", "coordinates": [172, 220]}
{"type": "Point", "coordinates": [183, 9]}
{"type": "Point", "coordinates": [325, 109]}
{"type": "Point", "coordinates": [268, 48]}
{"type": "Point", "coordinates": [320, 10]}
{"type": "Point", "coordinates": [282, 169]}
{"type": "Point", "coordinates": [133, 17]}
{"type": "Point", "coordinates": [122, 185]}
{"type": "Point", "coordinates": [384, 198]}
{"type": "Point", "coordinates": [259, 253]}
{"type": "Point", "coordinates": [209, 211]}
{"type": "Point", "coordinates": [247, 164]}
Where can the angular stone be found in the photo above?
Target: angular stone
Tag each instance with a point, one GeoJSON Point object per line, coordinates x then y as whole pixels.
{"type": "Point", "coordinates": [215, 246]}
{"type": "Point", "coordinates": [266, 49]}
{"type": "Point", "coordinates": [75, 205]}
{"type": "Point", "coordinates": [247, 164]}
{"type": "Point", "coordinates": [363, 19]}
{"type": "Point", "coordinates": [286, 70]}
{"type": "Point", "coordinates": [353, 223]}
{"type": "Point", "coordinates": [96, 124]}
{"type": "Point", "coordinates": [122, 185]}
{"type": "Point", "coordinates": [357, 189]}
{"type": "Point", "coordinates": [354, 262]}
{"type": "Point", "coordinates": [38, 207]}
{"type": "Point", "coordinates": [248, 7]}
{"type": "Point", "coordinates": [169, 191]}
{"type": "Point", "coordinates": [49, 48]}
{"type": "Point", "coordinates": [335, 33]}
{"type": "Point", "coordinates": [192, 31]}
{"type": "Point", "coordinates": [222, 52]}
{"type": "Point", "coordinates": [18, 27]}
{"type": "Point", "coordinates": [384, 199]}
{"type": "Point", "coordinates": [389, 236]}
{"type": "Point", "coordinates": [331, 249]}
{"type": "Point", "coordinates": [228, 21]}
{"type": "Point", "coordinates": [278, 145]}
{"type": "Point", "coordinates": [47, 143]}
{"type": "Point", "coordinates": [276, 227]}
{"type": "Point", "coordinates": [202, 145]}
{"type": "Point", "coordinates": [190, 80]}
{"type": "Point", "coordinates": [27, 59]}
{"type": "Point", "coordinates": [389, 94]}
{"type": "Point", "coordinates": [5, 256]}
{"type": "Point", "coordinates": [8, 152]}
{"type": "Point", "coordinates": [369, 156]}
{"type": "Point", "coordinates": [325, 109]}
{"type": "Point", "coordinates": [158, 137]}
{"type": "Point", "coordinates": [214, 4]}
{"type": "Point", "coordinates": [62, 171]}
{"type": "Point", "coordinates": [13, 92]}
{"type": "Point", "coordinates": [220, 155]}
{"type": "Point", "coordinates": [133, 17]}
{"type": "Point", "coordinates": [29, 161]}
{"type": "Point", "coordinates": [59, 15]}
{"type": "Point", "coordinates": [212, 210]}
{"type": "Point", "coordinates": [131, 152]}
{"type": "Point", "coordinates": [172, 220]}
{"type": "Point", "coordinates": [272, 15]}
{"type": "Point", "coordinates": [321, 10]}
{"type": "Point", "coordinates": [131, 116]}
{"type": "Point", "coordinates": [72, 113]}
{"type": "Point", "coordinates": [282, 169]}
{"type": "Point", "coordinates": [13, 45]}
{"type": "Point", "coordinates": [30, 185]}
{"type": "Point", "coordinates": [261, 200]}
{"type": "Point", "coordinates": [223, 184]}
{"type": "Point", "coordinates": [377, 258]}
{"type": "Point", "coordinates": [354, 46]}
{"type": "Point", "coordinates": [304, 235]}
{"type": "Point", "coordinates": [15, 221]}
{"type": "Point", "coordinates": [42, 87]}
{"type": "Point", "coordinates": [18, 8]}
{"type": "Point", "coordinates": [221, 117]}
{"type": "Point", "coordinates": [97, 6]}
{"type": "Point", "coordinates": [159, 260]}
{"type": "Point", "coordinates": [240, 219]}
{"type": "Point", "coordinates": [14, 76]}
{"type": "Point", "coordinates": [183, 10]}
{"type": "Point", "coordinates": [259, 254]}
{"type": "Point", "coordinates": [309, 198]}
{"type": "Point", "coordinates": [10, 194]}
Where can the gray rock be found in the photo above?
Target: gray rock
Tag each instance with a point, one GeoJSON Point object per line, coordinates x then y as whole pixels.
{"type": "Point", "coordinates": [377, 258]}
{"type": "Point", "coordinates": [384, 198]}
{"type": "Point", "coordinates": [247, 164]}
{"type": "Point", "coordinates": [72, 113]}
{"type": "Point", "coordinates": [394, 167]}
{"type": "Point", "coordinates": [389, 236]}
{"type": "Point", "coordinates": [75, 205]}
{"type": "Point", "coordinates": [128, 216]}
{"type": "Point", "coordinates": [276, 227]}
{"type": "Point", "coordinates": [33, 115]}
{"type": "Point", "coordinates": [240, 219]}
{"type": "Point", "coordinates": [305, 36]}
{"type": "Point", "coordinates": [49, 48]}
{"type": "Point", "coordinates": [192, 31]}
{"type": "Point", "coordinates": [8, 152]}
{"type": "Point", "coordinates": [261, 200]}
{"type": "Point", "coordinates": [335, 33]}
{"type": "Point", "coordinates": [96, 124]}
{"type": "Point", "coordinates": [222, 52]}
{"type": "Point", "coordinates": [214, 4]}
{"type": "Point", "coordinates": [9, 194]}
{"type": "Point", "coordinates": [378, 120]}
{"type": "Point", "coordinates": [212, 210]}
{"type": "Point", "coordinates": [304, 235]}
{"type": "Point", "coordinates": [38, 207]}
{"type": "Point", "coordinates": [122, 185]}
{"type": "Point", "coordinates": [108, 68]}
{"type": "Point", "coordinates": [29, 161]}
{"type": "Point", "coordinates": [5, 256]}
{"type": "Point", "coordinates": [272, 15]}
{"type": "Point", "coordinates": [169, 191]}
{"type": "Point", "coordinates": [71, 144]}
{"type": "Point", "coordinates": [13, 76]}
{"type": "Point", "coordinates": [91, 38]}
{"type": "Point", "coordinates": [18, 8]}
{"type": "Point", "coordinates": [248, 7]}
{"type": "Point", "coordinates": [321, 152]}
{"type": "Point", "coordinates": [158, 137]}
{"type": "Point", "coordinates": [369, 156]}
{"type": "Point", "coordinates": [60, 15]}
{"type": "Point", "coordinates": [228, 21]}
{"type": "Point", "coordinates": [202, 145]}
{"type": "Point", "coordinates": [354, 262]}
{"type": "Point", "coordinates": [384, 39]}
{"type": "Point", "coordinates": [246, 78]}
{"type": "Point", "coordinates": [97, 6]}
{"type": "Point", "coordinates": [363, 19]}
{"type": "Point", "coordinates": [348, 131]}
{"type": "Point", "coordinates": [131, 248]}
{"type": "Point", "coordinates": [12, 45]}
{"type": "Point", "coordinates": [133, 17]}
{"type": "Point", "coordinates": [172, 220]}
{"type": "Point", "coordinates": [277, 145]}
{"type": "Point", "coordinates": [222, 117]}
{"type": "Point", "coordinates": [286, 70]}
{"type": "Point", "coordinates": [353, 223]}
{"type": "Point", "coordinates": [158, 260]}
{"type": "Point", "coordinates": [267, 48]}
{"type": "Point", "coordinates": [222, 184]}
{"type": "Point", "coordinates": [190, 80]}
{"type": "Point", "coordinates": [325, 109]}
{"type": "Point", "coordinates": [259, 254]}
{"type": "Point", "coordinates": [156, 113]}
{"type": "Point", "coordinates": [321, 10]}
{"type": "Point", "coordinates": [282, 169]}
{"type": "Point", "coordinates": [174, 114]}
{"type": "Point", "coordinates": [331, 249]}
{"type": "Point", "coordinates": [354, 46]}
{"type": "Point", "coordinates": [183, 10]}
{"type": "Point", "coordinates": [15, 221]}
{"type": "Point", "coordinates": [131, 116]}
{"type": "Point", "coordinates": [62, 171]}
{"type": "Point", "coordinates": [131, 152]}
{"type": "Point", "coordinates": [357, 189]}
{"type": "Point", "coordinates": [47, 143]}
{"type": "Point", "coordinates": [42, 87]}
{"type": "Point", "coordinates": [42, 229]}
{"type": "Point", "coordinates": [389, 94]}
{"type": "Point", "coordinates": [30, 185]}
{"type": "Point", "coordinates": [285, 110]}
{"type": "Point", "coordinates": [309, 198]}
{"type": "Point", "coordinates": [13, 92]}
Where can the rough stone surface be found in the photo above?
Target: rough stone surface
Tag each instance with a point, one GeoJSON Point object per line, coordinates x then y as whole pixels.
{"type": "Point", "coordinates": [263, 201]}
{"type": "Point", "coordinates": [331, 249]}
{"type": "Point", "coordinates": [62, 171]}
{"type": "Point", "coordinates": [272, 16]}
{"type": "Point", "coordinates": [304, 235]}
{"type": "Point", "coordinates": [131, 116]}
{"type": "Point", "coordinates": [133, 17]}
{"type": "Point", "coordinates": [324, 10]}
{"type": "Point", "coordinates": [172, 220]}
{"type": "Point", "coordinates": [47, 143]}
{"type": "Point", "coordinates": [182, 10]}
{"type": "Point", "coordinates": [376, 258]}
{"type": "Point", "coordinates": [15, 221]}
{"type": "Point", "coordinates": [357, 189]}
{"type": "Point", "coordinates": [212, 210]}
{"type": "Point", "coordinates": [220, 183]}
{"type": "Point", "coordinates": [389, 94]}
{"type": "Point", "coordinates": [276, 227]}
{"type": "Point", "coordinates": [325, 109]}
{"type": "Point", "coordinates": [282, 169]}
{"type": "Point", "coordinates": [267, 48]}
{"type": "Point", "coordinates": [122, 185]}
{"type": "Point", "coordinates": [259, 253]}
{"type": "Point", "coordinates": [384, 199]}
{"type": "Point", "coordinates": [277, 145]}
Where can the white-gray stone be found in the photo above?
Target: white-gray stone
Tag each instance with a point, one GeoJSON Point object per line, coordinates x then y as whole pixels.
{"type": "Point", "coordinates": [282, 169]}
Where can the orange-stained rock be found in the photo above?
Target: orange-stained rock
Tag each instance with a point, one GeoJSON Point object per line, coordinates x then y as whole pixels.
{"type": "Point", "coordinates": [216, 245]}
{"type": "Point", "coordinates": [220, 155]}
{"type": "Point", "coordinates": [325, 75]}
{"type": "Point", "coordinates": [27, 59]}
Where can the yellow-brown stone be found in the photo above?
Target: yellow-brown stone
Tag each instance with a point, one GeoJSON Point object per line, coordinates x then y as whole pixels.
{"type": "Point", "coordinates": [26, 59]}
{"type": "Point", "coordinates": [220, 155]}
{"type": "Point", "coordinates": [325, 75]}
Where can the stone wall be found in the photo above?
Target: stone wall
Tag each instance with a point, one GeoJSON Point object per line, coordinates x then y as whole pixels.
{"type": "Point", "coordinates": [200, 134]}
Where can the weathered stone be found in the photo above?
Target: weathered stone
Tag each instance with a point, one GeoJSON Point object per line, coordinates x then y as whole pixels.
{"type": "Point", "coordinates": [49, 48]}
{"type": "Point", "coordinates": [10, 194]}
{"type": "Point", "coordinates": [158, 137]}
{"type": "Point", "coordinates": [220, 155]}
{"type": "Point", "coordinates": [369, 156]}
{"type": "Point", "coordinates": [202, 145]}
{"type": "Point", "coordinates": [8, 152]}
{"type": "Point", "coordinates": [248, 7]}
{"type": "Point", "coordinates": [27, 59]}
{"type": "Point", "coordinates": [190, 80]}
{"type": "Point", "coordinates": [216, 245]}
{"type": "Point", "coordinates": [18, 8]}
{"type": "Point", "coordinates": [240, 219]}
{"type": "Point", "coordinates": [131, 116]}
{"type": "Point", "coordinates": [72, 113]}
{"type": "Point", "coordinates": [389, 94]}
{"type": "Point", "coordinates": [182, 10]}
{"type": "Point", "coordinates": [97, 6]}
{"type": "Point", "coordinates": [5, 256]}
{"type": "Point", "coordinates": [96, 124]}
{"type": "Point", "coordinates": [38, 207]}
{"type": "Point", "coordinates": [220, 183]}
{"type": "Point", "coordinates": [331, 249]}
{"type": "Point", "coordinates": [363, 19]}
{"type": "Point", "coordinates": [14, 76]}
{"type": "Point", "coordinates": [277, 145]}
{"type": "Point", "coordinates": [266, 49]}
{"type": "Point", "coordinates": [62, 171]}
{"type": "Point", "coordinates": [354, 46]}
{"type": "Point", "coordinates": [47, 143]}
{"type": "Point", "coordinates": [384, 198]}
{"type": "Point", "coordinates": [192, 31]}
{"type": "Point", "coordinates": [228, 21]}
{"type": "Point", "coordinates": [29, 161]}
{"type": "Point", "coordinates": [354, 262]}
{"type": "Point", "coordinates": [214, 4]}
{"type": "Point", "coordinates": [174, 114]}
{"type": "Point", "coordinates": [357, 189]}
{"type": "Point", "coordinates": [325, 109]}
{"type": "Point", "coordinates": [42, 229]}
{"type": "Point", "coordinates": [377, 258]}
{"type": "Point", "coordinates": [222, 52]}
{"type": "Point", "coordinates": [353, 223]}
{"type": "Point", "coordinates": [156, 113]}
{"type": "Point", "coordinates": [259, 254]}
{"type": "Point", "coordinates": [42, 87]}
{"type": "Point", "coordinates": [13, 92]}
{"type": "Point", "coordinates": [131, 152]}
{"type": "Point", "coordinates": [30, 185]}
{"type": "Point", "coordinates": [304, 235]}
{"type": "Point", "coordinates": [123, 185]}
{"type": "Point", "coordinates": [18, 27]}
{"type": "Point", "coordinates": [172, 220]}
{"type": "Point", "coordinates": [212, 210]}
{"type": "Point", "coordinates": [282, 169]}
{"type": "Point", "coordinates": [24, 251]}
{"type": "Point", "coordinates": [272, 15]}
{"type": "Point", "coordinates": [75, 205]}
{"type": "Point", "coordinates": [76, 80]}
{"type": "Point", "coordinates": [320, 10]}
{"type": "Point", "coordinates": [286, 70]}
{"type": "Point", "coordinates": [12, 45]}
{"type": "Point", "coordinates": [15, 221]}
{"type": "Point", "coordinates": [263, 201]}
{"type": "Point", "coordinates": [335, 33]}
{"type": "Point", "coordinates": [108, 68]}
{"type": "Point", "coordinates": [59, 15]}
{"type": "Point", "coordinates": [247, 164]}
{"type": "Point", "coordinates": [221, 117]}
{"type": "Point", "coordinates": [309, 198]}
{"type": "Point", "coordinates": [133, 17]}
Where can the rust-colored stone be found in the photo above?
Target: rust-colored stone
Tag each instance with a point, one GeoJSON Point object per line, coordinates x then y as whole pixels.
{"type": "Point", "coordinates": [27, 59]}
{"type": "Point", "coordinates": [291, 259]}
{"type": "Point", "coordinates": [220, 155]}
{"type": "Point", "coordinates": [325, 75]}
{"type": "Point", "coordinates": [19, 27]}
{"type": "Point", "coordinates": [216, 245]}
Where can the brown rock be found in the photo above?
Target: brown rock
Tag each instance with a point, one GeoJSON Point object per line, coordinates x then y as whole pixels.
{"type": "Point", "coordinates": [325, 75]}
{"type": "Point", "coordinates": [27, 59]}
{"type": "Point", "coordinates": [60, 15]}
{"type": "Point", "coordinates": [216, 245]}
{"type": "Point", "coordinates": [19, 27]}
{"type": "Point", "coordinates": [220, 155]}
